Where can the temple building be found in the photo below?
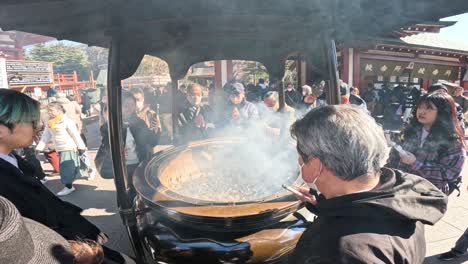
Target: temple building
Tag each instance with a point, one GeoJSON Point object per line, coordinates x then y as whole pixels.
{"type": "Point", "coordinates": [12, 43]}
{"type": "Point", "coordinates": [416, 56]}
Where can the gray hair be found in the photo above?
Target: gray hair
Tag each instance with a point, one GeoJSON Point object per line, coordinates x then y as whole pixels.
{"type": "Point", "coordinates": [272, 94]}
{"type": "Point", "coordinates": [345, 138]}
{"type": "Point", "coordinates": [306, 89]}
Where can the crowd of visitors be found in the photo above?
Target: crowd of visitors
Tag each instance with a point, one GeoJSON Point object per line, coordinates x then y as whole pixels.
{"type": "Point", "coordinates": [345, 169]}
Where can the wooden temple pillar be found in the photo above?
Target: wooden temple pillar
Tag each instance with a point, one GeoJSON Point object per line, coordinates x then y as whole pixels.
{"type": "Point", "coordinates": [224, 72]}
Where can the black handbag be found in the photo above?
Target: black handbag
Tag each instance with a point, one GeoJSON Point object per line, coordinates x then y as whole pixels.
{"type": "Point", "coordinates": [455, 185]}
{"type": "Point", "coordinates": [103, 162]}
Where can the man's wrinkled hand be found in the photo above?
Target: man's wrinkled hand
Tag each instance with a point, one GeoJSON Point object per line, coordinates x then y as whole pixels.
{"type": "Point", "coordinates": [408, 158]}
{"type": "Point", "coordinates": [305, 195]}
{"type": "Point", "coordinates": [200, 121]}
{"type": "Point", "coordinates": [235, 113]}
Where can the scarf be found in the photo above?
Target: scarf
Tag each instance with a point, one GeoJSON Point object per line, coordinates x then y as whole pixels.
{"type": "Point", "coordinates": [53, 122]}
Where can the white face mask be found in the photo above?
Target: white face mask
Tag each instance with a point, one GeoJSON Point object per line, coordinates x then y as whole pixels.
{"type": "Point", "coordinates": [272, 108]}
{"type": "Point", "coordinates": [194, 100]}
{"type": "Point", "coordinates": [140, 105]}
{"type": "Point", "coordinates": [312, 184]}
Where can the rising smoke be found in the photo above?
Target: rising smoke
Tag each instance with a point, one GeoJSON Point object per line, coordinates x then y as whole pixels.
{"type": "Point", "coordinates": [251, 168]}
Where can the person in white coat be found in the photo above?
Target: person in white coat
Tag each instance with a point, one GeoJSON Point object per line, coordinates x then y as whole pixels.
{"type": "Point", "coordinates": [66, 137]}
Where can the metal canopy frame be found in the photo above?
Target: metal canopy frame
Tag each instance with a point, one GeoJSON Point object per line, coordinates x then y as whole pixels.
{"type": "Point", "coordinates": [186, 32]}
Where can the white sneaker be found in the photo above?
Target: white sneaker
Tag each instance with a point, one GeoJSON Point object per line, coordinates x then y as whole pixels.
{"type": "Point", "coordinates": [46, 179]}
{"type": "Point", "coordinates": [66, 191]}
{"type": "Point", "coordinates": [92, 175]}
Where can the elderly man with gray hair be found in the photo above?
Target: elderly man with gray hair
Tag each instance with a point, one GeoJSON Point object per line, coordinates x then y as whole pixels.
{"type": "Point", "coordinates": [277, 121]}
{"type": "Point", "coordinates": [365, 213]}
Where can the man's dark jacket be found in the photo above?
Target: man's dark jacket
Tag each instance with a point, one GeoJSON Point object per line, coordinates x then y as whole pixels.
{"type": "Point", "coordinates": [33, 200]}
{"type": "Point", "coordinates": [384, 225]}
{"type": "Point", "coordinates": [186, 121]}
{"type": "Point", "coordinates": [145, 139]}
{"type": "Point", "coordinates": [292, 98]}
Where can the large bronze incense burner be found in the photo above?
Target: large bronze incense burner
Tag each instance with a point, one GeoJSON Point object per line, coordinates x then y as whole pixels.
{"type": "Point", "coordinates": [220, 197]}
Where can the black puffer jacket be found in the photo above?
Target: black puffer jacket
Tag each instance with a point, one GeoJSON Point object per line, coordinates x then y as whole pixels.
{"type": "Point", "coordinates": [385, 225]}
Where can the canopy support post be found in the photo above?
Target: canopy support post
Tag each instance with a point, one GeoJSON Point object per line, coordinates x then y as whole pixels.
{"type": "Point", "coordinates": [281, 96]}
{"type": "Point", "coordinates": [114, 103]}
{"type": "Point", "coordinates": [333, 93]}
{"type": "Point", "coordinates": [175, 117]}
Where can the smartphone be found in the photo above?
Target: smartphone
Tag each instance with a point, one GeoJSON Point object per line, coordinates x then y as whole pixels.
{"type": "Point", "coordinates": [291, 190]}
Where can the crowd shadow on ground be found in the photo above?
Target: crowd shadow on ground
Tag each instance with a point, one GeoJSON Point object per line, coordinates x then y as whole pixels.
{"type": "Point", "coordinates": [435, 259]}
{"type": "Point", "coordinates": [100, 208]}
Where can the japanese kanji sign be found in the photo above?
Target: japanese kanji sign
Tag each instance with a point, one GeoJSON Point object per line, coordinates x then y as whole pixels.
{"type": "Point", "coordinates": [22, 73]}
{"type": "Point", "coordinates": [417, 70]}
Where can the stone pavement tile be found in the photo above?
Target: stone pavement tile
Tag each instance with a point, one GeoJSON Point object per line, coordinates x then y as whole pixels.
{"type": "Point", "coordinates": [441, 231]}
{"type": "Point", "coordinates": [457, 217]}
{"type": "Point", "coordinates": [98, 199]}
{"type": "Point", "coordinates": [119, 241]}
{"type": "Point", "coordinates": [462, 200]}
{"type": "Point", "coordinates": [455, 202]}
{"type": "Point", "coordinates": [434, 249]}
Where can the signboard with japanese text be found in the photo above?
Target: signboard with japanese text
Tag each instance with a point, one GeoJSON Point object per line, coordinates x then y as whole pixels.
{"type": "Point", "coordinates": [3, 74]}
{"type": "Point", "coordinates": [28, 73]}
{"type": "Point", "coordinates": [415, 70]}
{"type": "Point", "coordinates": [28, 66]}
{"type": "Point", "coordinates": [29, 79]}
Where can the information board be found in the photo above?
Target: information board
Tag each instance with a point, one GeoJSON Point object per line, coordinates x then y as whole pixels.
{"type": "Point", "coordinates": [28, 66]}
{"type": "Point", "coordinates": [29, 79]}
{"type": "Point", "coordinates": [3, 74]}
{"type": "Point", "coordinates": [26, 73]}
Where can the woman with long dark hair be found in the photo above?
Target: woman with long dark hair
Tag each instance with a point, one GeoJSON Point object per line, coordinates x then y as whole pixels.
{"type": "Point", "coordinates": [433, 143]}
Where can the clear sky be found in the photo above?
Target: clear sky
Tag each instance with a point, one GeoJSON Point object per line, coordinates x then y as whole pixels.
{"type": "Point", "coordinates": [458, 32]}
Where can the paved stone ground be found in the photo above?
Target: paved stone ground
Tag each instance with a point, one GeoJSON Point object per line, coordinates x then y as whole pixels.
{"type": "Point", "coordinates": [98, 199]}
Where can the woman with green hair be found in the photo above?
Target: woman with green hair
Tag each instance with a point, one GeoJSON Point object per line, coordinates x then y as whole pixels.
{"type": "Point", "coordinates": [68, 143]}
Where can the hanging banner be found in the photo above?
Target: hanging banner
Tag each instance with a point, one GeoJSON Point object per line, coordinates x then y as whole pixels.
{"type": "Point", "coordinates": [3, 74]}
{"type": "Point", "coordinates": [418, 70]}
{"type": "Point", "coordinates": [423, 71]}
{"type": "Point", "coordinates": [384, 68]}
